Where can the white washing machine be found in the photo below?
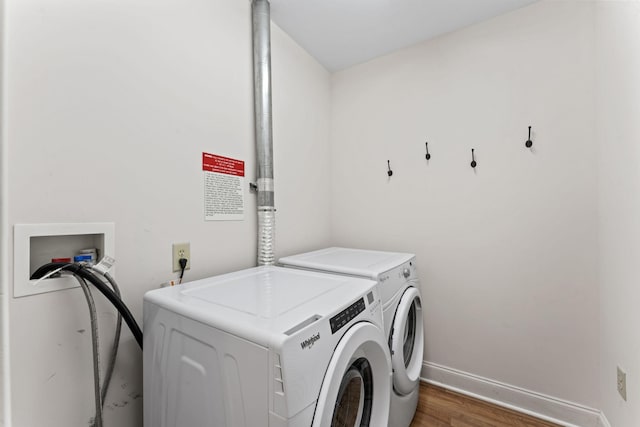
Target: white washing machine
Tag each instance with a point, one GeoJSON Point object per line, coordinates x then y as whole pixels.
{"type": "Point", "coordinates": [397, 278]}
{"type": "Point", "coordinates": [266, 346]}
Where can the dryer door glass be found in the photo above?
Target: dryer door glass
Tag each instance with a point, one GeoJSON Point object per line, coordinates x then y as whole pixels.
{"type": "Point", "coordinates": [409, 335]}
{"type": "Point", "coordinates": [353, 406]}
{"type": "Point", "coordinates": [406, 342]}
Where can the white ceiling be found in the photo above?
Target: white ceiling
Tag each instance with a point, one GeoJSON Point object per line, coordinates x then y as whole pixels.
{"type": "Point", "coordinates": [342, 33]}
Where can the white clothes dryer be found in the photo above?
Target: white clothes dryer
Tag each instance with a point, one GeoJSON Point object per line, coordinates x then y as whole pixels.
{"type": "Point", "coordinates": [399, 288]}
{"type": "Point", "coordinates": [266, 346]}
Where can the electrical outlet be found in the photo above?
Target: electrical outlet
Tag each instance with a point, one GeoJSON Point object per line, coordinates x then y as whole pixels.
{"type": "Point", "coordinates": [622, 383]}
{"type": "Point", "coordinates": [181, 250]}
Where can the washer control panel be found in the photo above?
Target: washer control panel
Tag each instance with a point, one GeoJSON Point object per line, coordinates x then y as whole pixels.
{"type": "Point", "coordinates": [346, 315]}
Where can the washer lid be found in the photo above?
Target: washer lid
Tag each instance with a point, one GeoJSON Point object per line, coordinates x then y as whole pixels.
{"type": "Point", "coordinates": [357, 262]}
{"type": "Point", "coordinates": [268, 293]}
{"type": "Point", "coordinates": [262, 304]}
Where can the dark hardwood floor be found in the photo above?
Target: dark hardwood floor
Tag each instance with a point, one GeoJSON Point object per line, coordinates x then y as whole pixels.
{"type": "Point", "coordinates": [439, 407]}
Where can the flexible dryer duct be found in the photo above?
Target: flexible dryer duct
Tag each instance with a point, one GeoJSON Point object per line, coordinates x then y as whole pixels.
{"type": "Point", "coordinates": [264, 138]}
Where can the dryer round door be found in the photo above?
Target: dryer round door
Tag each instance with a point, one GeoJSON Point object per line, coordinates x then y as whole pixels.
{"type": "Point", "coordinates": [357, 385]}
{"type": "Point", "coordinates": [407, 342]}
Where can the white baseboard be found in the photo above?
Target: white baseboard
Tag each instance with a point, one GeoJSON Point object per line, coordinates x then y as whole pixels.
{"type": "Point", "coordinates": [545, 407]}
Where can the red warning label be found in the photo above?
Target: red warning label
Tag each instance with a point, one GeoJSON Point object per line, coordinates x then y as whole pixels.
{"type": "Point", "coordinates": [220, 164]}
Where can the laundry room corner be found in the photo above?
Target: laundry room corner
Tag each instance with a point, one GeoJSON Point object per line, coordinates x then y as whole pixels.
{"type": "Point", "coordinates": [319, 213]}
{"type": "Point", "coordinates": [301, 113]}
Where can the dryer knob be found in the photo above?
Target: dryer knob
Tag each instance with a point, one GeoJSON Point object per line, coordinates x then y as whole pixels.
{"type": "Point", "coordinates": [406, 273]}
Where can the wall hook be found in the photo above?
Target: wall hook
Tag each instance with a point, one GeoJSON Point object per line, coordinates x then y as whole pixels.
{"type": "Point", "coordinates": [389, 172]}
{"type": "Point", "coordinates": [473, 159]}
{"type": "Point", "coordinates": [427, 156]}
{"type": "Point", "coordinates": [529, 142]}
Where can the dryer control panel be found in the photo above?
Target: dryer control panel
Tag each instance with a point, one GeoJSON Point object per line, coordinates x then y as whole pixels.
{"type": "Point", "coordinates": [346, 315]}
{"type": "Point", "coordinates": [397, 279]}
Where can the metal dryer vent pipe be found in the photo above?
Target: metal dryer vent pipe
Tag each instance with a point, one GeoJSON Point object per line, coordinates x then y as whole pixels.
{"type": "Point", "coordinates": [263, 128]}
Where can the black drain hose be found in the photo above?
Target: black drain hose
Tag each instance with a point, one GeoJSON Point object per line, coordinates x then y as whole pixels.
{"type": "Point", "coordinates": [86, 274]}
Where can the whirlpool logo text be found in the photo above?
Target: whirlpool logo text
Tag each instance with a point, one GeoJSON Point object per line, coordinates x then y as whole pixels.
{"type": "Point", "coordinates": [308, 343]}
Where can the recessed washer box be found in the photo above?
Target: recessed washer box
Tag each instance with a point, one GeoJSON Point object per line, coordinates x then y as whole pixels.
{"type": "Point", "coordinates": [36, 244]}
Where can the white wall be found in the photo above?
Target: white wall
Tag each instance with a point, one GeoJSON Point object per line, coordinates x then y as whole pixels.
{"type": "Point", "coordinates": [506, 253]}
{"type": "Point", "coordinates": [301, 100]}
{"type": "Point", "coordinates": [4, 243]}
{"type": "Point", "coordinates": [618, 109]}
{"type": "Point", "coordinates": [110, 106]}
